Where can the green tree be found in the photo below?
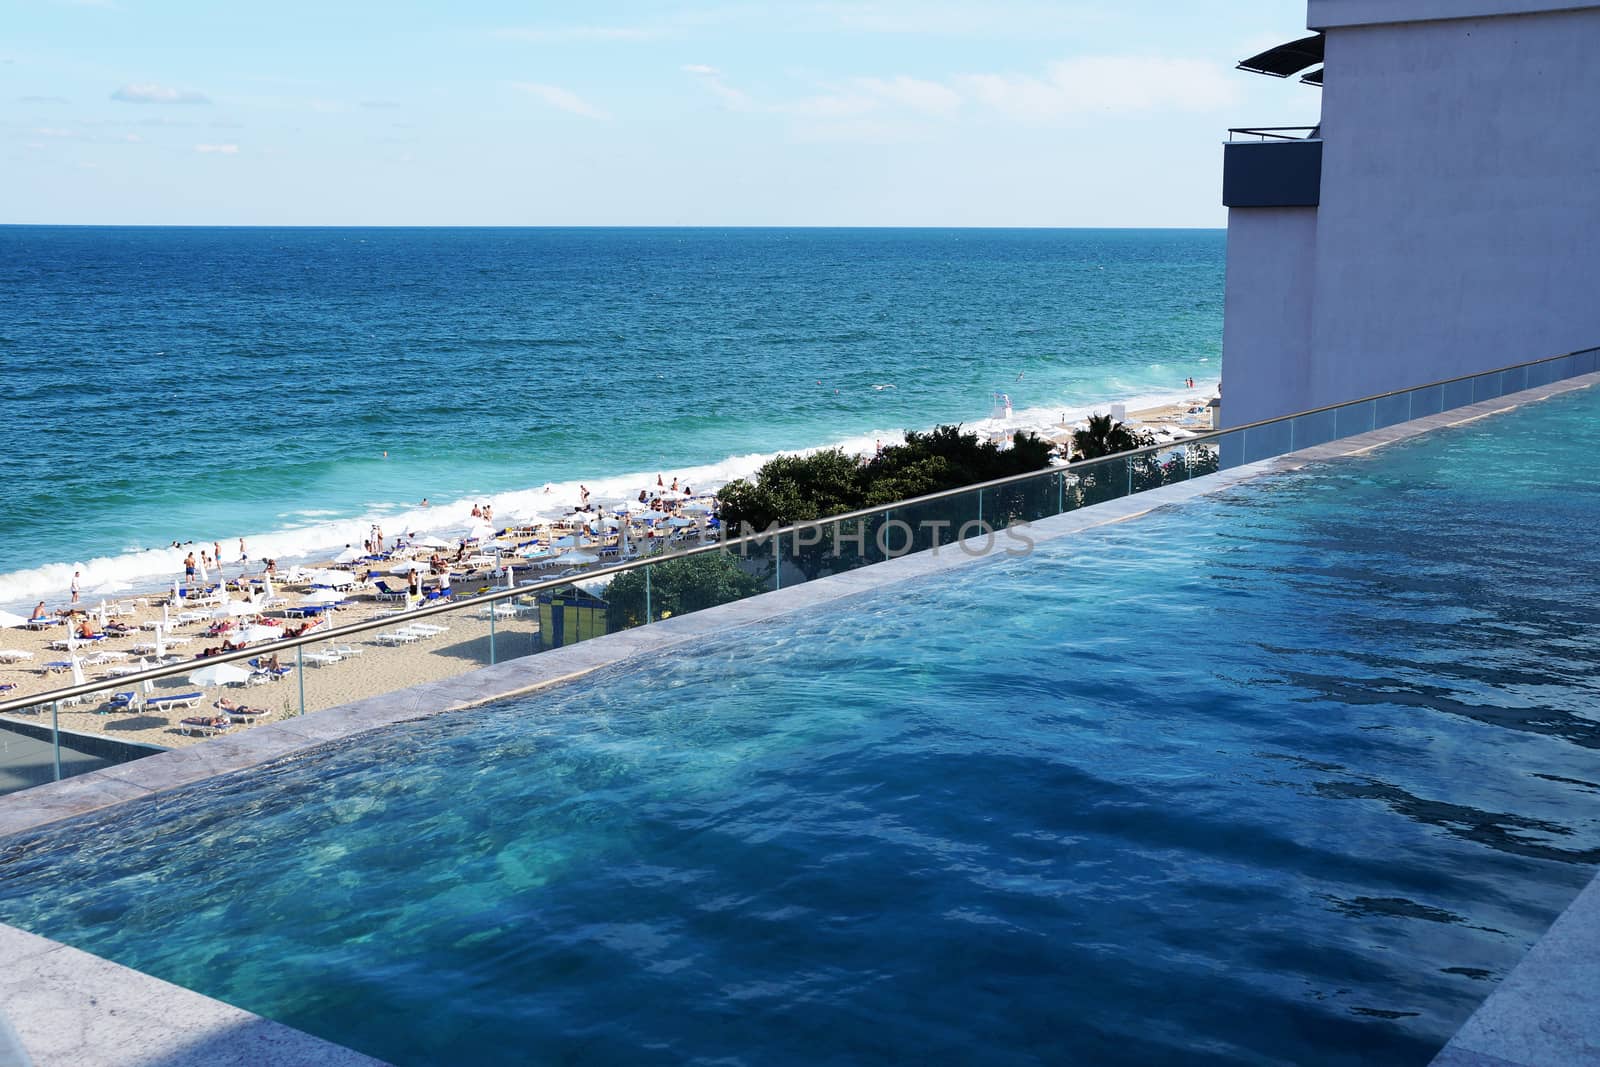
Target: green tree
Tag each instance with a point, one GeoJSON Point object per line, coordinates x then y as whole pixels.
{"type": "Point", "coordinates": [677, 586]}
{"type": "Point", "coordinates": [1106, 437]}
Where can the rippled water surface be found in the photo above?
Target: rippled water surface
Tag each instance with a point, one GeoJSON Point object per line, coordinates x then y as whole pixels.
{"type": "Point", "coordinates": [1291, 774]}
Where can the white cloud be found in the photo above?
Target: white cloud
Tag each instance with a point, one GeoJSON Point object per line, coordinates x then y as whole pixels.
{"type": "Point", "coordinates": [218, 149]}
{"type": "Point", "coordinates": [561, 99]}
{"type": "Point", "coordinates": [915, 93]}
{"type": "Point", "coordinates": [1105, 85]}
{"type": "Point", "coordinates": [150, 93]}
{"type": "Point", "coordinates": [717, 85]}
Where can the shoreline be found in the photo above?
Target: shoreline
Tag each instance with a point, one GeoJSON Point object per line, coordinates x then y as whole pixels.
{"type": "Point", "coordinates": [125, 574]}
{"type": "Point", "coordinates": [377, 667]}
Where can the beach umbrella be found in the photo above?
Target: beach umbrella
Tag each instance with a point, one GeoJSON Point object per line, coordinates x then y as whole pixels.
{"type": "Point", "coordinates": [102, 615]}
{"type": "Point", "coordinates": [511, 576]}
{"type": "Point", "coordinates": [77, 671]}
{"type": "Point", "coordinates": [161, 646]}
{"type": "Point", "coordinates": [431, 542]}
{"type": "Point", "coordinates": [148, 686]}
{"type": "Point", "coordinates": [260, 633]}
{"type": "Point", "coordinates": [266, 582]}
{"type": "Point", "coordinates": [579, 556]}
{"type": "Point", "coordinates": [9, 619]}
{"type": "Point", "coordinates": [622, 541]}
{"type": "Point", "coordinates": [323, 596]}
{"type": "Point", "coordinates": [166, 622]}
{"type": "Point", "coordinates": [569, 541]}
{"type": "Point", "coordinates": [479, 530]}
{"type": "Point", "coordinates": [177, 591]}
{"type": "Point", "coordinates": [407, 568]}
{"type": "Point", "coordinates": [679, 521]}
{"type": "Point", "coordinates": [698, 508]}
{"type": "Point", "coordinates": [335, 578]}
{"type": "Point", "coordinates": [230, 609]}
{"type": "Point", "coordinates": [349, 555]}
{"type": "Point", "coordinates": [219, 674]}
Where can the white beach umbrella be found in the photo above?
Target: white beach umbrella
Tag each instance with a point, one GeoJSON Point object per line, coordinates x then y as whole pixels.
{"type": "Point", "coordinates": [679, 521]}
{"type": "Point", "coordinates": [232, 609]}
{"type": "Point", "coordinates": [407, 568]}
{"type": "Point", "coordinates": [480, 530]}
{"type": "Point", "coordinates": [161, 645]}
{"type": "Point", "coordinates": [511, 576]}
{"type": "Point", "coordinates": [622, 540]}
{"type": "Point", "coordinates": [200, 569]}
{"type": "Point", "coordinates": [219, 674]}
{"type": "Point", "coordinates": [323, 596]}
{"type": "Point", "coordinates": [148, 685]}
{"type": "Point", "coordinates": [102, 615]}
{"type": "Point", "coordinates": [698, 508]}
{"type": "Point", "coordinates": [579, 556]}
{"type": "Point", "coordinates": [177, 592]}
{"type": "Point", "coordinates": [8, 619]}
{"type": "Point", "coordinates": [166, 621]}
{"type": "Point", "coordinates": [431, 542]}
{"type": "Point", "coordinates": [77, 671]}
{"type": "Point", "coordinates": [266, 584]}
{"type": "Point", "coordinates": [349, 555]}
{"type": "Point", "coordinates": [260, 633]}
{"type": "Point", "coordinates": [335, 578]}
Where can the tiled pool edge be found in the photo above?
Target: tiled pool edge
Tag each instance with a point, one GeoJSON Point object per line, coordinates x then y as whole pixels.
{"type": "Point", "coordinates": [229, 1035]}
{"type": "Point", "coordinates": [68, 1007]}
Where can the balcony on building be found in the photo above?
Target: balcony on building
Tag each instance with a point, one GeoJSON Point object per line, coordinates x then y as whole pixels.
{"type": "Point", "coordinates": [1277, 166]}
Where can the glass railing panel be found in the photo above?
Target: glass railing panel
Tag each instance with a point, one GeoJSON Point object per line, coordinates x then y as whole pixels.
{"type": "Point", "coordinates": [1102, 480]}
{"type": "Point", "coordinates": [1352, 419]}
{"type": "Point", "coordinates": [1229, 448]}
{"type": "Point", "coordinates": [1316, 428]}
{"type": "Point", "coordinates": [1585, 362]}
{"type": "Point", "coordinates": [1485, 387]}
{"type": "Point", "coordinates": [1514, 380]}
{"type": "Point", "coordinates": [1392, 410]}
{"type": "Point", "coordinates": [1264, 442]}
{"type": "Point", "coordinates": [1428, 400]}
{"type": "Point", "coordinates": [1457, 394]}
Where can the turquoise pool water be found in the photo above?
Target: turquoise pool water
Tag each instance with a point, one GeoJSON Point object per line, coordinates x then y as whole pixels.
{"type": "Point", "coordinates": [1289, 774]}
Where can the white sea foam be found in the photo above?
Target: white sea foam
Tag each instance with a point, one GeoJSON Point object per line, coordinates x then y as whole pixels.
{"type": "Point", "coordinates": [150, 569]}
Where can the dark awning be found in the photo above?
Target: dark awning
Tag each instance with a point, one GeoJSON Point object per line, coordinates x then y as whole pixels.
{"type": "Point", "coordinates": [1314, 78]}
{"type": "Point", "coordinates": [1287, 59]}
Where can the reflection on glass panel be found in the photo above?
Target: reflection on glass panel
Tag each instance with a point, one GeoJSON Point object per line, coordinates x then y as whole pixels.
{"type": "Point", "coordinates": [1457, 394]}
{"type": "Point", "coordinates": [1429, 400]}
{"type": "Point", "coordinates": [1264, 442]}
{"type": "Point", "coordinates": [1391, 410]}
{"type": "Point", "coordinates": [1352, 419]}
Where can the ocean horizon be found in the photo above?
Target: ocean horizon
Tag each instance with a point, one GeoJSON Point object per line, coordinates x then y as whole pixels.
{"type": "Point", "coordinates": [293, 385]}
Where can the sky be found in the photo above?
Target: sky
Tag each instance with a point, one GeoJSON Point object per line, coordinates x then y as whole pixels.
{"type": "Point", "coordinates": [873, 113]}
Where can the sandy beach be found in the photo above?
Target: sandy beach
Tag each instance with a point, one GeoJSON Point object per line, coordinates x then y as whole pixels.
{"type": "Point", "coordinates": [366, 666]}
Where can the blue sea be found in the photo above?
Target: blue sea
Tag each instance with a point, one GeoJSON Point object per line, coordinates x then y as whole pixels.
{"type": "Point", "coordinates": [292, 386]}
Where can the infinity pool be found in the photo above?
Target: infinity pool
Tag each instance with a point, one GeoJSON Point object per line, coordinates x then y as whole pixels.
{"type": "Point", "coordinates": [1291, 773]}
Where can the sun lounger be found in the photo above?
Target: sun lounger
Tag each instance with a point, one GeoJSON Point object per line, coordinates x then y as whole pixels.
{"type": "Point", "coordinates": [385, 593]}
{"type": "Point", "coordinates": [395, 637]}
{"type": "Point", "coordinates": [206, 725]}
{"type": "Point", "coordinates": [127, 701]}
{"type": "Point", "coordinates": [44, 622]}
{"type": "Point", "coordinates": [14, 655]}
{"type": "Point", "coordinates": [322, 657]}
{"type": "Point", "coordinates": [346, 651]}
{"type": "Point", "coordinates": [242, 713]}
{"type": "Point", "coordinates": [177, 700]}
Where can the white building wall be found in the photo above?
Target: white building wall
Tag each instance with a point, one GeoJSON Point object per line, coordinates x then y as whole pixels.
{"type": "Point", "coordinates": [1266, 322]}
{"type": "Point", "coordinates": [1459, 224]}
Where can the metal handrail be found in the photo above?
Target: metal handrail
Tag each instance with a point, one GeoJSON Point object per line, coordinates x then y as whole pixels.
{"type": "Point", "coordinates": [493, 596]}
{"type": "Point", "coordinates": [1272, 133]}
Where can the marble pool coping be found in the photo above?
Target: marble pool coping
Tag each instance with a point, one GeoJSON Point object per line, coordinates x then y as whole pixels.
{"type": "Point", "coordinates": [101, 1028]}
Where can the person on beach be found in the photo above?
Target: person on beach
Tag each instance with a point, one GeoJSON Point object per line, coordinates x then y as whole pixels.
{"type": "Point", "coordinates": [659, 483]}
{"type": "Point", "coordinates": [244, 557]}
{"type": "Point", "coordinates": [583, 497]}
{"type": "Point", "coordinates": [188, 567]}
{"type": "Point", "coordinates": [643, 496]}
{"type": "Point", "coordinates": [216, 552]}
{"type": "Point", "coordinates": [76, 577]}
{"type": "Point", "coordinates": [477, 512]}
{"type": "Point", "coordinates": [38, 611]}
{"type": "Point", "coordinates": [86, 630]}
{"type": "Point", "coordinates": [424, 501]}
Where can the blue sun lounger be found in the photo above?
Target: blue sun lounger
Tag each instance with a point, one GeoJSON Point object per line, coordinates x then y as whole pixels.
{"type": "Point", "coordinates": [177, 700]}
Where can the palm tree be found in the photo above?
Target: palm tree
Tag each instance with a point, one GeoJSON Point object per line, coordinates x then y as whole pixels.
{"type": "Point", "coordinates": [1103, 438]}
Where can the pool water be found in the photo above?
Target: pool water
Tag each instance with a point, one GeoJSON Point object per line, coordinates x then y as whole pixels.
{"type": "Point", "coordinates": [1292, 773]}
